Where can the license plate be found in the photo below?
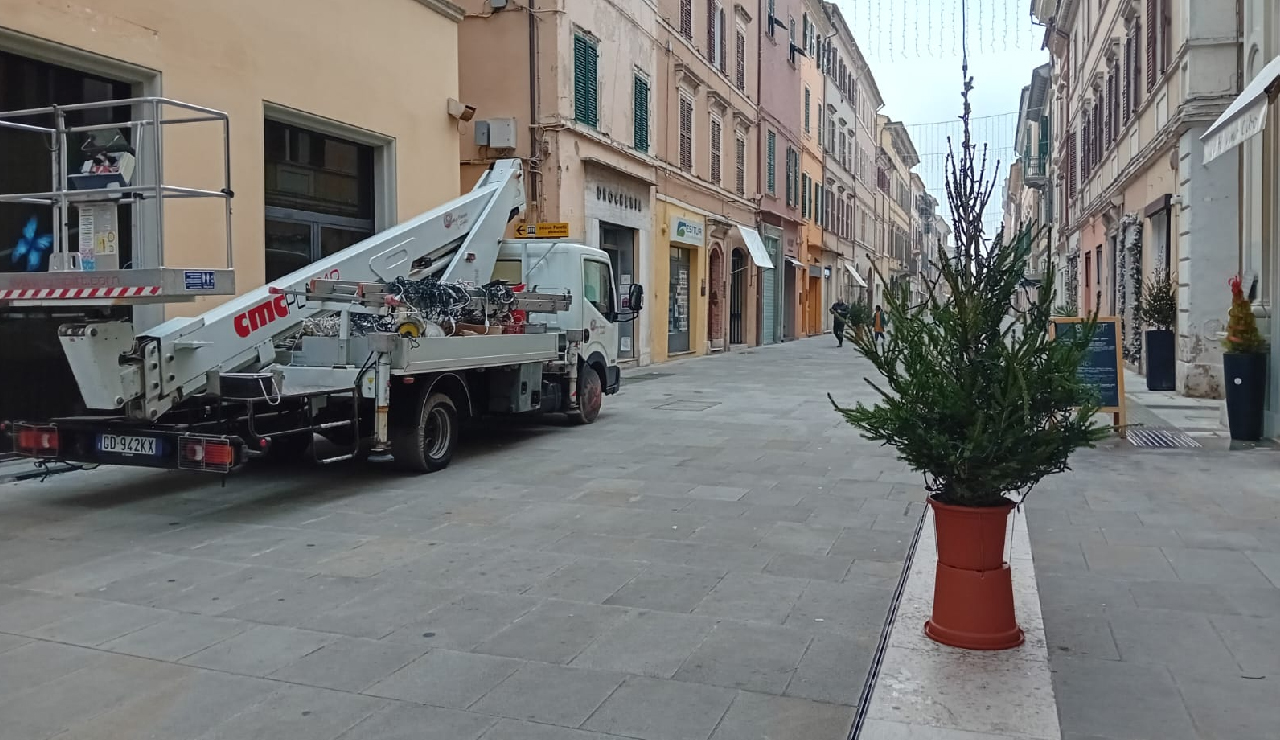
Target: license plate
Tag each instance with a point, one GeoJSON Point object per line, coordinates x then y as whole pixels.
{"type": "Point", "coordinates": [121, 444]}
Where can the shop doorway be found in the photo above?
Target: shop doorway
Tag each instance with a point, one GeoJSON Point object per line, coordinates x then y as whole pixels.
{"type": "Point", "coordinates": [319, 196]}
{"type": "Point", "coordinates": [619, 244]}
{"type": "Point", "coordinates": [769, 293]}
{"type": "Point", "coordinates": [790, 304]}
{"type": "Point", "coordinates": [737, 297]}
{"type": "Point", "coordinates": [715, 306]}
{"type": "Point", "coordinates": [35, 380]}
{"type": "Point", "coordinates": [678, 310]}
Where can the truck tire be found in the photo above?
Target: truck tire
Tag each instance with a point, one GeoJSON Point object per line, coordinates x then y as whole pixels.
{"type": "Point", "coordinates": [590, 396]}
{"type": "Point", "coordinates": [426, 443]}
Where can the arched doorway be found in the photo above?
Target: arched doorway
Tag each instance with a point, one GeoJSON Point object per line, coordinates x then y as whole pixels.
{"type": "Point", "coordinates": [715, 303]}
{"type": "Point", "coordinates": [737, 297]}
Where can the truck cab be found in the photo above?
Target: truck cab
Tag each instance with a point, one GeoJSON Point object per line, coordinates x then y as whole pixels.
{"type": "Point", "coordinates": [584, 272]}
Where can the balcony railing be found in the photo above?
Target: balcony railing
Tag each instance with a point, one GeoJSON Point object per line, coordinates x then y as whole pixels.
{"type": "Point", "coordinates": [1035, 169]}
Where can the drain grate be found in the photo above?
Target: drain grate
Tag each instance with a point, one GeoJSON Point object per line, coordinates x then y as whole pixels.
{"type": "Point", "coordinates": [1161, 438]}
{"type": "Point", "coordinates": [687, 406]}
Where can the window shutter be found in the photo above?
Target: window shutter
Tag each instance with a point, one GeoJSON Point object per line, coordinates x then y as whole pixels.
{"type": "Point", "coordinates": [1106, 111]}
{"type": "Point", "coordinates": [822, 121]}
{"type": "Point", "coordinates": [686, 18]}
{"type": "Point", "coordinates": [711, 31]}
{"type": "Point", "coordinates": [1072, 164]}
{"type": "Point", "coordinates": [804, 196]}
{"type": "Point", "coordinates": [773, 15]}
{"type": "Point", "coordinates": [721, 46]}
{"type": "Point", "coordinates": [586, 102]}
{"type": "Point", "coordinates": [686, 133]}
{"type": "Point", "coordinates": [1127, 83]}
{"type": "Point", "coordinates": [740, 160]}
{"type": "Point", "coordinates": [807, 111]}
{"type": "Point", "coordinates": [740, 49]}
{"type": "Point", "coordinates": [771, 163]}
{"type": "Point", "coordinates": [640, 114]}
{"type": "Point", "coordinates": [788, 173]}
{"type": "Point", "coordinates": [715, 151]}
{"type": "Point", "coordinates": [1152, 25]}
{"type": "Point", "coordinates": [1099, 133]}
{"type": "Point", "coordinates": [1086, 137]}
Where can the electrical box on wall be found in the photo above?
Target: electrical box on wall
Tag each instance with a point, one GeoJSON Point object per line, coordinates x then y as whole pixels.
{"type": "Point", "coordinates": [496, 133]}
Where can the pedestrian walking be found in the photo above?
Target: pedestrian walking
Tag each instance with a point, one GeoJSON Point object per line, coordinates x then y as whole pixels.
{"type": "Point", "coordinates": [878, 322]}
{"type": "Point", "coordinates": [839, 310]}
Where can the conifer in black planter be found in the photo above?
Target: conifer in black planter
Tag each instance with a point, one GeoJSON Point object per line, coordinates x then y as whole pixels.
{"type": "Point", "coordinates": [1244, 365]}
{"type": "Point", "coordinates": [983, 405]}
{"type": "Point", "coordinates": [1158, 309]}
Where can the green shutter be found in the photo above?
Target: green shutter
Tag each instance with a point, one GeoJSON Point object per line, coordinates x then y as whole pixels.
{"type": "Point", "coordinates": [641, 114]}
{"type": "Point", "coordinates": [586, 100]}
{"type": "Point", "coordinates": [771, 166]}
{"type": "Point", "coordinates": [804, 196]}
{"type": "Point", "coordinates": [806, 110]}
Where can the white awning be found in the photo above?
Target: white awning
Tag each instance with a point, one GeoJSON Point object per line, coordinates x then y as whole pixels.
{"type": "Point", "coordinates": [854, 272]}
{"type": "Point", "coordinates": [795, 262]}
{"type": "Point", "coordinates": [1244, 118]}
{"type": "Point", "coordinates": [755, 245]}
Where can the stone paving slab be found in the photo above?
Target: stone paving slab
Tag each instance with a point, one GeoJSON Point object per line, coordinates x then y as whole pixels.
{"type": "Point", "coordinates": [1161, 604]}
{"type": "Point", "coordinates": [713, 558]}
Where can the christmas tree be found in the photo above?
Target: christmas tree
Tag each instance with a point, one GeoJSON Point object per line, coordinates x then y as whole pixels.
{"type": "Point", "coordinates": [1242, 327]}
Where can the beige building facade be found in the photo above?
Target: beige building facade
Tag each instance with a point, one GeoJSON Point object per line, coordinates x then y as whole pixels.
{"type": "Point", "coordinates": [325, 147]}
{"type": "Point", "coordinates": [1136, 83]}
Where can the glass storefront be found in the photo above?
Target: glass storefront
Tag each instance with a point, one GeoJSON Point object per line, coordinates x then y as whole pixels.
{"type": "Point", "coordinates": [678, 308]}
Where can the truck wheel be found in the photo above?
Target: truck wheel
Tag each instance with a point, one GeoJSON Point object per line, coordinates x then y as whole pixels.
{"type": "Point", "coordinates": [427, 442]}
{"type": "Point", "coordinates": [289, 448]}
{"type": "Point", "coordinates": [590, 396]}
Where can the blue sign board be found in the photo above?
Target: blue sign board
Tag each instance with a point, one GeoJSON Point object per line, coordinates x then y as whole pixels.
{"type": "Point", "coordinates": [199, 279]}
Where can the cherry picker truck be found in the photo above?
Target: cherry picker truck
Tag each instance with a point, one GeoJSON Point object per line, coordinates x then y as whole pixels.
{"type": "Point", "coordinates": [252, 376]}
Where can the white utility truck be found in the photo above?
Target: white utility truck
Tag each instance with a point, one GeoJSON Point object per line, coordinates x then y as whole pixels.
{"type": "Point", "coordinates": [385, 346]}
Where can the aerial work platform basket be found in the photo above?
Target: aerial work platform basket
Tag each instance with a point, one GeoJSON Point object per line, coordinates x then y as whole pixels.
{"type": "Point", "coordinates": [97, 169]}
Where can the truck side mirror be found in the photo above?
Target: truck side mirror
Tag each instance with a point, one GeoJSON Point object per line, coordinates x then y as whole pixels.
{"type": "Point", "coordinates": [635, 297]}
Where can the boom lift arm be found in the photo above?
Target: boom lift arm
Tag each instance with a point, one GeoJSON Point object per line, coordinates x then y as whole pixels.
{"type": "Point", "coordinates": [161, 366]}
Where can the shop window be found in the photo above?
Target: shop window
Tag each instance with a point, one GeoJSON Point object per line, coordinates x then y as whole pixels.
{"type": "Point", "coordinates": [319, 196]}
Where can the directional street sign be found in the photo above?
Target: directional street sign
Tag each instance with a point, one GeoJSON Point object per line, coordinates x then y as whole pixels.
{"type": "Point", "coordinates": [543, 231]}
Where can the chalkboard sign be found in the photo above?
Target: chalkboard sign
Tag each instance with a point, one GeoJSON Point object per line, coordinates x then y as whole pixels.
{"type": "Point", "coordinates": [1102, 366]}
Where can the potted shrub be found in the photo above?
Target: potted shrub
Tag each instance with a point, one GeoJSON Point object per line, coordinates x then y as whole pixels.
{"type": "Point", "coordinates": [1244, 365]}
{"type": "Point", "coordinates": [1158, 309]}
{"type": "Point", "coordinates": [984, 404]}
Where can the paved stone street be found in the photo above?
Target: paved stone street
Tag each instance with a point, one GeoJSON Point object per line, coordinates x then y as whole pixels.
{"type": "Point", "coordinates": [713, 559]}
{"type": "Point", "coordinates": [1159, 576]}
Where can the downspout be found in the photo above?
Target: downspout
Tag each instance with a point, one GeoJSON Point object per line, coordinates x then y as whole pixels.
{"type": "Point", "coordinates": [534, 186]}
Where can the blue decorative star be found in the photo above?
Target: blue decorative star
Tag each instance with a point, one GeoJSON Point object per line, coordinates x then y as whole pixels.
{"type": "Point", "coordinates": [31, 247]}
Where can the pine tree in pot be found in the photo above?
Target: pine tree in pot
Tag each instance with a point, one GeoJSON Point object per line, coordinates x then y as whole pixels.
{"type": "Point", "coordinates": [983, 405]}
{"type": "Point", "coordinates": [1244, 363]}
{"type": "Point", "coordinates": [1158, 309]}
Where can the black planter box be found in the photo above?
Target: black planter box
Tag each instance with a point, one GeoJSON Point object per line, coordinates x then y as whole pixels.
{"type": "Point", "coordinates": [1162, 366]}
{"type": "Point", "coordinates": [1246, 379]}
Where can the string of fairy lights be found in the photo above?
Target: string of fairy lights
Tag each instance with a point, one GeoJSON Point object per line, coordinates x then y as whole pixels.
{"type": "Point", "coordinates": [957, 31]}
{"type": "Point", "coordinates": [930, 29]}
{"type": "Point", "coordinates": [931, 140]}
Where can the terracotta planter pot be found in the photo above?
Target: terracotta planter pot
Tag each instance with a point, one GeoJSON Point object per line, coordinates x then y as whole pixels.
{"type": "Point", "coordinates": [973, 590]}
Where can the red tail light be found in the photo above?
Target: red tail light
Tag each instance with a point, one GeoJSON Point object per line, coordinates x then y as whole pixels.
{"type": "Point", "coordinates": [33, 441]}
{"type": "Point", "coordinates": [210, 454]}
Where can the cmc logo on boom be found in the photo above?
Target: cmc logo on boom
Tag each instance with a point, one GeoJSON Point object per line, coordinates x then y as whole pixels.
{"type": "Point", "coordinates": [260, 315]}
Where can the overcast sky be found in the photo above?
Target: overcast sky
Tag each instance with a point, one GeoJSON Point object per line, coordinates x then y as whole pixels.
{"type": "Point", "coordinates": [913, 48]}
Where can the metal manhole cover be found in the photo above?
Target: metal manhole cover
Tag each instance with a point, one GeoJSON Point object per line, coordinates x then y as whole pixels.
{"type": "Point", "coordinates": [1160, 438]}
{"type": "Point", "coordinates": [687, 406]}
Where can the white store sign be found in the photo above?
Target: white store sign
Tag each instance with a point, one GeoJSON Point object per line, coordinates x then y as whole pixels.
{"type": "Point", "coordinates": [686, 231]}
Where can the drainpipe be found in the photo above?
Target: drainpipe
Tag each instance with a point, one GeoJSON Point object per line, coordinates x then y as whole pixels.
{"type": "Point", "coordinates": [533, 189]}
